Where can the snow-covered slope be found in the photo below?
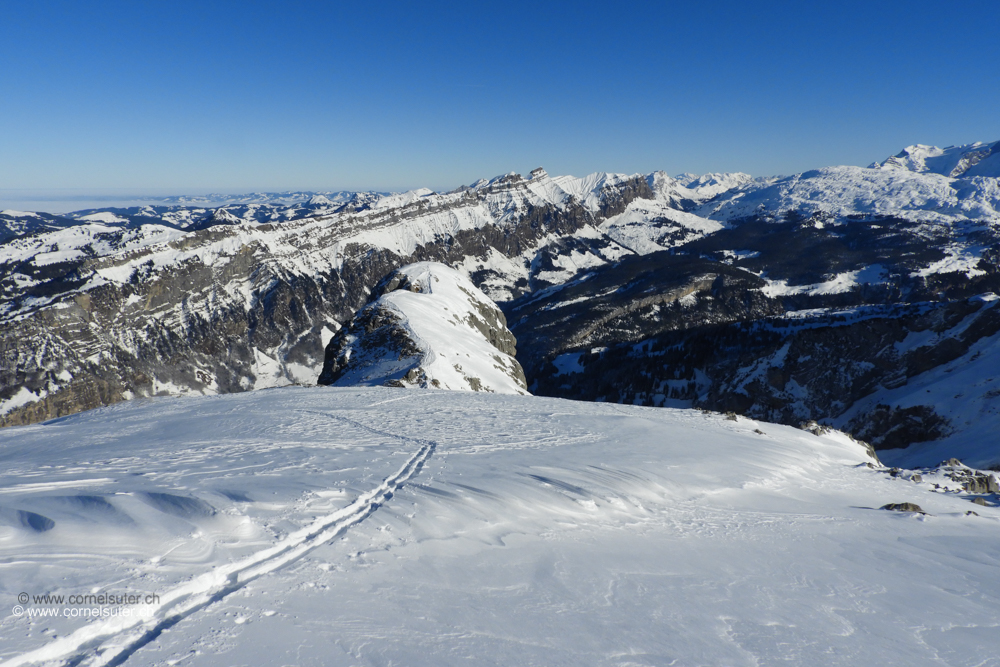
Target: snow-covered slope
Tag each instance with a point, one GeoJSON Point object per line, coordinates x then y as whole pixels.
{"type": "Point", "coordinates": [428, 327]}
{"type": "Point", "coordinates": [711, 185]}
{"type": "Point", "coordinates": [381, 526]}
{"type": "Point", "coordinates": [847, 191]}
{"type": "Point", "coordinates": [966, 161]}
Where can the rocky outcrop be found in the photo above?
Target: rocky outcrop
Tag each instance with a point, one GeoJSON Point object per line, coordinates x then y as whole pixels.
{"type": "Point", "coordinates": [974, 481]}
{"type": "Point", "coordinates": [903, 507]}
{"type": "Point", "coordinates": [426, 326]}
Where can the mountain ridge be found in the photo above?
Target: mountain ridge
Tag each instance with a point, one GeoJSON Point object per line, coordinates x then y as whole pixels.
{"type": "Point", "coordinates": [100, 310]}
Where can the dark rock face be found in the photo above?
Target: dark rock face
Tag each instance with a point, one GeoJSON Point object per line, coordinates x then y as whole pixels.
{"type": "Point", "coordinates": [892, 427]}
{"type": "Point", "coordinates": [367, 338]}
{"type": "Point", "coordinates": [903, 507]}
{"type": "Point", "coordinates": [629, 301]}
{"type": "Point", "coordinates": [515, 239]}
{"type": "Point", "coordinates": [171, 337]}
{"type": "Point", "coordinates": [685, 330]}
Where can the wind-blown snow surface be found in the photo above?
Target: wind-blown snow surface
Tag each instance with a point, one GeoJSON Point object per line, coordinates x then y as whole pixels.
{"type": "Point", "coordinates": [380, 526]}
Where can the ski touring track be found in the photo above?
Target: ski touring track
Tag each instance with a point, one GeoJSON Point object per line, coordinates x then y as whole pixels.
{"type": "Point", "coordinates": [112, 642]}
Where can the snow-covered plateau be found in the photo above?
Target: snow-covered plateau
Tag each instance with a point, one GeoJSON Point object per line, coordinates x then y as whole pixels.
{"type": "Point", "coordinates": [380, 526]}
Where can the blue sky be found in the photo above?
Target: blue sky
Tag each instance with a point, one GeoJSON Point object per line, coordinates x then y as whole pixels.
{"type": "Point", "coordinates": [226, 96]}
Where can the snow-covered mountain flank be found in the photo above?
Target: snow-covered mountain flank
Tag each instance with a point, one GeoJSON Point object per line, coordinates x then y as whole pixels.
{"type": "Point", "coordinates": [854, 296]}
{"type": "Point", "coordinates": [967, 161]}
{"type": "Point", "coordinates": [427, 326]}
{"type": "Point", "coordinates": [380, 526]}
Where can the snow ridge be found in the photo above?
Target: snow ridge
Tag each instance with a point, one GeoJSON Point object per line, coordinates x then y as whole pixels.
{"type": "Point", "coordinates": [429, 327]}
{"type": "Point", "coordinates": [977, 159]}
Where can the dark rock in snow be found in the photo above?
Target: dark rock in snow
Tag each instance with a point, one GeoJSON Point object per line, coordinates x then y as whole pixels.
{"type": "Point", "coordinates": [976, 482]}
{"type": "Point", "coordinates": [903, 507]}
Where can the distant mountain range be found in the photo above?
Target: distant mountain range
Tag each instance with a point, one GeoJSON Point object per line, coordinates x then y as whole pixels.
{"type": "Point", "coordinates": [860, 297]}
{"type": "Point", "coordinates": [967, 161]}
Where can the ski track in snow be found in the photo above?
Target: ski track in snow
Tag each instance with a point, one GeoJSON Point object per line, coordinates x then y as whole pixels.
{"type": "Point", "coordinates": [110, 643]}
{"type": "Point", "coordinates": [542, 531]}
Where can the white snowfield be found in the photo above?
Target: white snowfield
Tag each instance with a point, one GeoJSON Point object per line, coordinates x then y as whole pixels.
{"type": "Point", "coordinates": [844, 191]}
{"type": "Point", "coordinates": [966, 161]}
{"type": "Point", "coordinates": [375, 526]}
{"type": "Point", "coordinates": [438, 313]}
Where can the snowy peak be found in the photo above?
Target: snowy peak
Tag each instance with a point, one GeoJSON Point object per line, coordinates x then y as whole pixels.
{"type": "Point", "coordinates": [319, 201]}
{"type": "Point", "coordinates": [977, 159]}
{"type": "Point", "coordinates": [851, 191]}
{"type": "Point", "coordinates": [430, 327]}
{"type": "Point", "coordinates": [589, 189]}
{"type": "Point", "coordinates": [360, 201]}
{"type": "Point", "coordinates": [713, 184]}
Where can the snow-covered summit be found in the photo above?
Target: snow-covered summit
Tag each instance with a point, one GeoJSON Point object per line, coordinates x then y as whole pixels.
{"type": "Point", "coordinates": [320, 201]}
{"type": "Point", "coordinates": [587, 189]}
{"type": "Point", "coordinates": [977, 159]}
{"type": "Point", "coordinates": [429, 326]}
{"type": "Point", "coordinates": [712, 184]}
{"type": "Point", "coordinates": [844, 191]}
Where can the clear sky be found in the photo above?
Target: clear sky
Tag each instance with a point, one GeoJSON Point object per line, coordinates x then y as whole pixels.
{"type": "Point", "coordinates": [187, 96]}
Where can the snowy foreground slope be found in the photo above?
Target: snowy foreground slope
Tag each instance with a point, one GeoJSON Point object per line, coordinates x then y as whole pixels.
{"type": "Point", "coordinates": [377, 526]}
